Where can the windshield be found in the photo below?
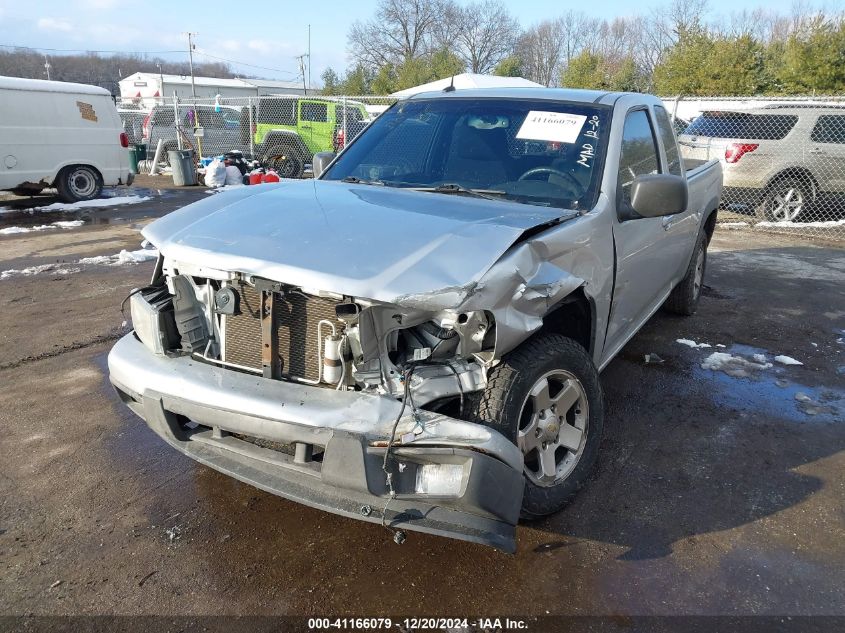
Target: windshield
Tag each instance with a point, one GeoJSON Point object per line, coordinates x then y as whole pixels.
{"type": "Point", "coordinates": [538, 152]}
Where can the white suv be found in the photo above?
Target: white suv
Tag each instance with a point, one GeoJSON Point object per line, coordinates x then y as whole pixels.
{"type": "Point", "coordinates": [776, 160]}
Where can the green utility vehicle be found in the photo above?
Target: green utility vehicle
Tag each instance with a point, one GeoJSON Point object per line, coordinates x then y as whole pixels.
{"type": "Point", "coordinates": [288, 130]}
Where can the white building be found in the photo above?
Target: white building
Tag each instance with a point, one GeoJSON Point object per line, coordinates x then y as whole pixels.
{"type": "Point", "coordinates": [467, 81]}
{"type": "Point", "coordinates": [149, 88]}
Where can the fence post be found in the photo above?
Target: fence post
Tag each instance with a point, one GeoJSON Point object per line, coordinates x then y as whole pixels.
{"type": "Point", "coordinates": [675, 108]}
{"type": "Point", "coordinates": [176, 125]}
{"type": "Point", "coordinates": [251, 128]}
{"type": "Point", "coordinates": [345, 133]}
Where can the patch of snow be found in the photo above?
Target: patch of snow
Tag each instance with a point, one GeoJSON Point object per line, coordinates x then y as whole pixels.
{"type": "Point", "coordinates": [690, 343]}
{"type": "Point", "coordinates": [803, 225]}
{"type": "Point", "coordinates": [97, 202]}
{"type": "Point", "coordinates": [135, 257]}
{"type": "Point", "coordinates": [652, 359]}
{"type": "Point", "coordinates": [37, 270]}
{"type": "Point", "coordinates": [760, 358]}
{"type": "Point", "coordinates": [732, 225]}
{"type": "Point", "coordinates": [787, 360]}
{"type": "Point", "coordinates": [119, 259]}
{"type": "Point", "coordinates": [123, 257]}
{"type": "Point", "coordinates": [68, 224]}
{"type": "Point", "coordinates": [63, 224]}
{"type": "Point", "coordinates": [719, 345]}
{"type": "Point", "coordinates": [735, 366]}
{"type": "Point", "coordinates": [99, 259]}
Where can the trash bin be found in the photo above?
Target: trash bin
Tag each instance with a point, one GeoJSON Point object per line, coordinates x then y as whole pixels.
{"type": "Point", "coordinates": [184, 167]}
{"type": "Point", "coordinates": [137, 153]}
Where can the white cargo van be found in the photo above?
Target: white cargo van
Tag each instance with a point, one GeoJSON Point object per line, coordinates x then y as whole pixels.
{"type": "Point", "coordinates": [63, 135]}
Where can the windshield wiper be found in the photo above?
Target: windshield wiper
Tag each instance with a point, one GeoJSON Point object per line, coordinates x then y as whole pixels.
{"type": "Point", "coordinates": [360, 181]}
{"type": "Point", "coordinates": [454, 188]}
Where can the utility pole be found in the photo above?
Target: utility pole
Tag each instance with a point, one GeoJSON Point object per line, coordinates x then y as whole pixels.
{"type": "Point", "coordinates": [191, 64]}
{"type": "Point", "coordinates": [160, 84]}
{"type": "Point", "coordinates": [309, 55]}
{"type": "Point", "coordinates": [301, 59]}
{"type": "Point", "coordinates": [47, 66]}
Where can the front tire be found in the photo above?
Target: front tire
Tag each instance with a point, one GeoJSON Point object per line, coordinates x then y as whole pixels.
{"type": "Point", "coordinates": [79, 182]}
{"type": "Point", "coordinates": [546, 397]}
{"type": "Point", "coordinates": [786, 200]}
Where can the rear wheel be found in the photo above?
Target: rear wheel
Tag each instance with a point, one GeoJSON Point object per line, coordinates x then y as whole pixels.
{"type": "Point", "coordinates": [79, 182]}
{"type": "Point", "coordinates": [786, 200]}
{"type": "Point", "coordinates": [546, 397]}
{"type": "Point", "coordinates": [282, 160]}
{"type": "Point", "coordinates": [685, 296]}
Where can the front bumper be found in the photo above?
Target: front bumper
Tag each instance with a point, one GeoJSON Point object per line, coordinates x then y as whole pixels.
{"type": "Point", "coordinates": [197, 407]}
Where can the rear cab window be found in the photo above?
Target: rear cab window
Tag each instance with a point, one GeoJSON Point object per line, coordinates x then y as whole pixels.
{"type": "Point", "coordinates": [742, 125]}
{"type": "Point", "coordinates": [670, 145]}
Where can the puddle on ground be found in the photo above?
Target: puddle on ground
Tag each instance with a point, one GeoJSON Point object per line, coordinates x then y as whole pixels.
{"type": "Point", "coordinates": [759, 384]}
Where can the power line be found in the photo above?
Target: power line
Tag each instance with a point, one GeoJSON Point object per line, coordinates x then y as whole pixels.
{"type": "Point", "coordinates": [88, 50]}
{"type": "Point", "coordinates": [234, 61]}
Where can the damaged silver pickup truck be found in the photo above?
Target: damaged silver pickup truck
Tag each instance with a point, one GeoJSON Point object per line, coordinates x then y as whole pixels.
{"type": "Point", "coordinates": [415, 336]}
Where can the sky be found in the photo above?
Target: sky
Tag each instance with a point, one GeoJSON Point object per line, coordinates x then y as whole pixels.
{"type": "Point", "coordinates": [268, 35]}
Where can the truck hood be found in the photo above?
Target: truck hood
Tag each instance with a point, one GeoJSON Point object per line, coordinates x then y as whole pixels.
{"type": "Point", "coordinates": [366, 241]}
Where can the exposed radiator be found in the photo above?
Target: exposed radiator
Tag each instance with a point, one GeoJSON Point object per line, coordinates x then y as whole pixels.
{"type": "Point", "coordinates": [296, 318]}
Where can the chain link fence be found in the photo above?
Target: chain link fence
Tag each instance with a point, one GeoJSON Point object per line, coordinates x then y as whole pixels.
{"type": "Point", "coordinates": [783, 158]}
{"type": "Point", "coordinates": [281, 132]}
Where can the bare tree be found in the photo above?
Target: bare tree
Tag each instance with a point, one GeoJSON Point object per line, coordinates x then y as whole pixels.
{"type": "Point", "coordinates": [578, 31]}
{"type": "Point", "coordinates": [399, 31]}
{"type": "Point", "coordinates": [481, 34]}
{"type": "Point", "coordinates": [540, 49]}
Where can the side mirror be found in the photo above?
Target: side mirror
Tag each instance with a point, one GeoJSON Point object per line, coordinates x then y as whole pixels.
{"type": "Point", "coordinates": [320, 161]}
{"type": "Point", "coordinates": [655, 195]}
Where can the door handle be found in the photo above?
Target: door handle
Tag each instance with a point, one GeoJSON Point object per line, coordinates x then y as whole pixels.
{"type": "Point", "coordinates": [817, 151]}
{"type": "Point", "coordinates": [668, 221]}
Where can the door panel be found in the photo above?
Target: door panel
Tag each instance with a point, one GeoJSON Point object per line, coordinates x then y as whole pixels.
{"type": "Point", "coordinates": [315, 128]}
{"type": "Point", "coordinates": [644, 266]}
{"type": "Point", "coordinates": [825, 155]}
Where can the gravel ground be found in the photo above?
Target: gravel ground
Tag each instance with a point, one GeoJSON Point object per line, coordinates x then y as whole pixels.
{"type": "Point", "coordinates": [715, 494]}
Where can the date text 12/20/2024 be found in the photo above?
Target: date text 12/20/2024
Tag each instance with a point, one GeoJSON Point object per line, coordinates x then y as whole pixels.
{"type": "Point", "coordinates": [417, 624]}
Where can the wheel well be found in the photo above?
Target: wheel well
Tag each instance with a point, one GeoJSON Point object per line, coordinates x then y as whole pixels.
{"type": "Point", "coordinates": [292, 144]}
{"type": "Point", "coordinates": [574, 318]}
{"type": "Point", "coordinates": [710, 225]}
{"type": "Point", "coordinates": [796, 172]}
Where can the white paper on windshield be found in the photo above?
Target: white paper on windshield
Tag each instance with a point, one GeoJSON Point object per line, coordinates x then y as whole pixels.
{"type": "Point", "coordinates": [559, 127]}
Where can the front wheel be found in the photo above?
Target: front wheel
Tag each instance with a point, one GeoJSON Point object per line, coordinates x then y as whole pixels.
{"type": "Point", "coordinates": [546, 397]}
{"type": "Point", "coordinates": [79, 182]}
{"type": "Point", "coordinates": [785, 201]}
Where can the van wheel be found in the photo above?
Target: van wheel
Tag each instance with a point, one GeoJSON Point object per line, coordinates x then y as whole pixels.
{"type": "Point", "coordinates": [785, 200]}
{"type": "Point", "coordinates": [546, 397]}
{"type": "Point", "coordinates": [79, 182]}
{"type": "Point", "coordinates": [684, 297]}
